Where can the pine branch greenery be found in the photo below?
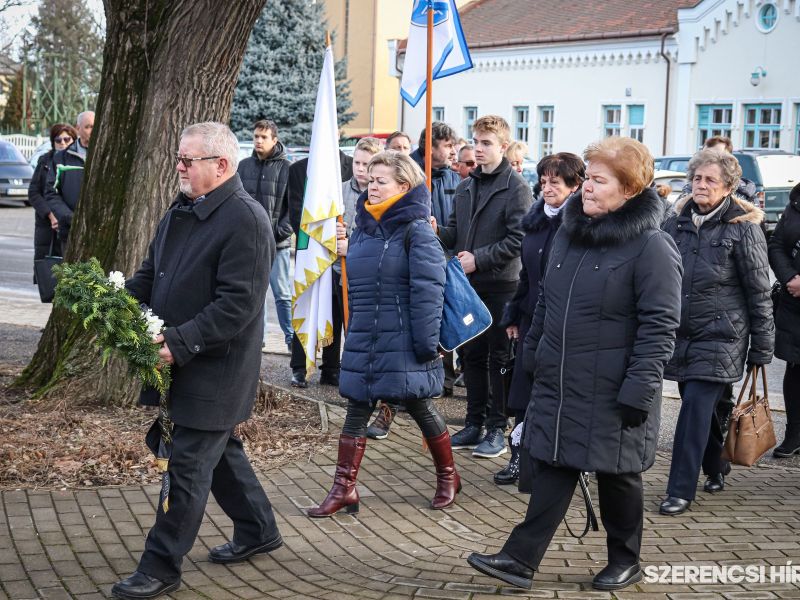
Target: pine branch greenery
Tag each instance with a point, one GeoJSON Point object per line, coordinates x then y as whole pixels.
{"type": "Point", "coordinates": [115, 317]}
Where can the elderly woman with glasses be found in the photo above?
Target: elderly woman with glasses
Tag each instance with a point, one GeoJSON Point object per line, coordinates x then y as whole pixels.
{"type": "Point", "coordinates": [602, 331]}
{"type": "Point", "coordinates": [46, 223]}
{"type": "Point", "coordinates": [726, 316]}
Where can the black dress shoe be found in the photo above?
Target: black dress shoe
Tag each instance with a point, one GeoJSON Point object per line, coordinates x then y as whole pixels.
{"type": "Point", "coordinates": [299, 378]}
{"type": "Point", "coordinates": [233, 552]}
{"type": "Point", "coordinates": [329, 378]}
{"type": "Point", "coordinates": [503, 567]}
{"type": "Point", "coordinates": [142, 587]}
{"type": "Point", "coordinates": [716, 483]}
{"type": "Point", "coordinates": [616, 577]}
{"type": "Point", "coordinates": [674, 506]}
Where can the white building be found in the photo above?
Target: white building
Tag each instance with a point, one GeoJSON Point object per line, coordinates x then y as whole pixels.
{"type": "Point", "coordinates": [668, 72]}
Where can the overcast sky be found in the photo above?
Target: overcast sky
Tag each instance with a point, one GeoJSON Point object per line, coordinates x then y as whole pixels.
{"type": "Point", "coordinates": [19, 17]}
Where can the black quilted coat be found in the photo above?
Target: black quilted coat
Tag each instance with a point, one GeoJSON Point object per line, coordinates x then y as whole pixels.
{"type": "Point", "coordinates": [784, 257]}
{"type": "Point", "coordinates": [726, 312]}
{"type": "Point", "coordinates": [602, 331]}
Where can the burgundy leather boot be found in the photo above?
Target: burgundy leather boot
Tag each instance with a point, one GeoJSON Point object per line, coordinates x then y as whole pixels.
{"type": "Point", "coordinates": [448, 483]}
{"type": "Point", "coordinates": [343, 494]}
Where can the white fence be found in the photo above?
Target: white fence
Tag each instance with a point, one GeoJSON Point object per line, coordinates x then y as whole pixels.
{"type": "Point", "coordinates": [26, 143]}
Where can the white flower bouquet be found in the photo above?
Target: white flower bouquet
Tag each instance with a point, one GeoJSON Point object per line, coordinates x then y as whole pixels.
{"type": "Point", "coordinates": [115, 317]}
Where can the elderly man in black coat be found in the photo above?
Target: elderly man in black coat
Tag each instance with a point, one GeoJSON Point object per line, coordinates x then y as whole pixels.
{"type": "Point", "coordinates": [206, 274]}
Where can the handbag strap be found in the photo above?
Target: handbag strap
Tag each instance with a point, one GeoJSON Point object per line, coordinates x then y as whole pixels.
{"type": "Point", "coordinates": [753, 393]}
{"type": "Point", "coordinates": [591, 519]}
{"type": "Point", "coordinates": [52, 241]}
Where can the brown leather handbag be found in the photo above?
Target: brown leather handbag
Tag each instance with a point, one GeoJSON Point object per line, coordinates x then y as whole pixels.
{"type": "Point", "coordinates": [751, 434]}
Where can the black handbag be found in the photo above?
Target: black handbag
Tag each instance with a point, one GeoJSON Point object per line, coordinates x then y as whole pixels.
{"type": "Point", "coordinates": [43, 268]}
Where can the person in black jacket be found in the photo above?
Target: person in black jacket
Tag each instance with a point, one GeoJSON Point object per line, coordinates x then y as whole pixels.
{"type": "Point", "coordinates": [784, 258]}
{"type": "Point", "coordinates": [726, 316]}
{"type": "Point", "coordinates": [206, 274]}
{"type": "Point", "coordinates": [602, 331]}
{"type": "Point", "coordinates": [265, 176]}
{"type": "Point", "coordinates": [45, 234]}
{"type": "Point", "coordinates": [329, 370]}
{"type": "Point", "coordinates": [63, 187]}
{"type": "Point", "coordinates": [485, 232]}
{"type": "Point", "coordinates": [560, 176]}
{"type": "Point", "coordinates": [391, 349]}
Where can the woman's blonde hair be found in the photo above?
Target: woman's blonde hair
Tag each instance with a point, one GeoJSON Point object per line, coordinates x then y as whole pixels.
{"type": "Point", "coordinates": [517, 148]}
{"type": "Point", "coordinates": [630, 161]}
{"type": "Point", "coordinates": [404, 168]}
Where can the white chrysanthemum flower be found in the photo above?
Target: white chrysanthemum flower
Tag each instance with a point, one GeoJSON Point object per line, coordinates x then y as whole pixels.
{"type": "Point", "coordinates": [154, 324]}
{"type": "Point", "coordinates": [117, 279]}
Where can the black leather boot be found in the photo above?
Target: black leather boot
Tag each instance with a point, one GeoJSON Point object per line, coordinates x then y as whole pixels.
{"type": "Point", "coordinates": [510, 474]}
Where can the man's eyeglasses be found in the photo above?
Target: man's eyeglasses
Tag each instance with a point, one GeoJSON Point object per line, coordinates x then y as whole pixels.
{"type": "Point", "coordinates": [63, 140]}
{"type": "Point", "coordinates": [188, 160]}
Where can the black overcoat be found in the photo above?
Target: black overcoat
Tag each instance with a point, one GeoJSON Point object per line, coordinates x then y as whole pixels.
{"type": "Point", "coordinates": [725, 303]}
{"type": "Point", "coordinates": [43, 234]}
{"type": "Point", "coordinates": [63, 189]}
{"type": "Point", "coordinates": [602, 331]}
{"type": "Point", "coordinates": [206, 274]}
{"type": "Point", "coordinates": [784, 258]}
{"type": "Point", "coordinates": [489, 225]}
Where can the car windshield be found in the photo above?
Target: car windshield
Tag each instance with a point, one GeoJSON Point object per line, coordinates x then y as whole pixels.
{"type": "Point", "coordinates": [10, 154]}
{"type": "Point", "coordinates": [779, 170]}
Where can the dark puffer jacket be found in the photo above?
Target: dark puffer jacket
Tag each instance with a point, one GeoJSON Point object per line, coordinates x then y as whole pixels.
{"type": "Point", "coordinates": [725, 293]}
{"type": "Point", "coordinates": [267, 183]}
{"type": "Point", "coordinates": [444, 182]}
{"type": "Point", "coordinates": [539, 233]}
{"type": "Point", "coordinates": [602, 332]}
{"type": "Point", "coordinates": [396, 300]}
{"type": "Point", "coordinates": [63, 187]}
{"type": "Point", "coordinates": [43, 234]}
{"type": "Point", "coordinates": [784, 258]}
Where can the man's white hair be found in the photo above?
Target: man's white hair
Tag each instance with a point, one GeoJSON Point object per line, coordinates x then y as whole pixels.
{"type": "Point", "coordinates": [82, 116]}
{"type": "Point", "coordinates": [218, 140]}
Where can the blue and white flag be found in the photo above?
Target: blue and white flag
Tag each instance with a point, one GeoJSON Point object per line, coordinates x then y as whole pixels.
{"type": "Point", "coordinates": [450, 52]}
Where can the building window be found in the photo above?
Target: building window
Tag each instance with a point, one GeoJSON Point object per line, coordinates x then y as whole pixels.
{"type": "Point", "coordinates": [438, 113]}
{"type": "Point", "coordinates": [636, 121]}
{"type": "Point", "coordinates": [545, 130]}
{"type": "Point", "coordinates": [762, 125]}
{"type": "Point", "coordinates": [521, 116]}
{"type": "Point", "coordinates": [797, 131]}
{"type": "Point", "coordinates": [713, 120]}
{"type": "Point", "coordinates": [767, 17]}
{"type": "Point", "coordinates": [612, 120]}
{"type": "Point", "coordinates": [470, 116]}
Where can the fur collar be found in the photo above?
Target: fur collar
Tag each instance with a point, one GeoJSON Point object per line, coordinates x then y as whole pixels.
{"type": "Point", "coordinates": [739, 211]}
{"type": "Point", "coordinates": [536, 219]}
{"type": "Point", "coordinates": [636, 216]}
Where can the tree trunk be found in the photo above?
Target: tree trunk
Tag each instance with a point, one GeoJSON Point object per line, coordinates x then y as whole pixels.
{"type": "Point", "coordinates": [166, 64]}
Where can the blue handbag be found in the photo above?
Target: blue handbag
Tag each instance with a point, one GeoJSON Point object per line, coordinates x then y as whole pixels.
{"type": "Point", "coordinates": [464, 315]}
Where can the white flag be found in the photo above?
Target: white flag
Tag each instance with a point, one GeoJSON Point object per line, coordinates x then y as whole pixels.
{"type": "Point", "coordinates": [316, 240]}
{"type": "Point", "coordinates": [450, 52]}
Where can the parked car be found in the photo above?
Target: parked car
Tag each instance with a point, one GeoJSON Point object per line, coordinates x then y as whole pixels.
{"type": "Point", "coordinates": [15, 173]}
{"type": "Point", "coordinates": [674, 179]}
{"type": "Point", "coordinates": [672, 163]}
{"type": "Point", "coordinates": [775, 173]}
{"type": "Point", "coordinates": [529, 173]}
{"type": "Point", "coordinates": [41, 149]}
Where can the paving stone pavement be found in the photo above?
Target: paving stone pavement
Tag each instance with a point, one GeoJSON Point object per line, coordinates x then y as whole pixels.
{"type": "Point", "coordinates": [77, 543]}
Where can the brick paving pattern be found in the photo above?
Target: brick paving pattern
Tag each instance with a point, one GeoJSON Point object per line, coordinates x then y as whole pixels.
{"type": "Point", "coordinates": [76, 544]}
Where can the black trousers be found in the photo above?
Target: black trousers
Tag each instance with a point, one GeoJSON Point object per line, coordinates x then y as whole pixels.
{"type": "Point", "coordinates": [332, 354]}
{"type": "Point", "coordinates": [482, 359]}
{"type": "Point", "coordinates": [621, 511]}
{"type": "Point", "coordinates": [791, 398]}
{"type": "Point", "coordinates": [204, 461]}
{"type": "Point", "coordinates": [693, 445]}
{"type": "Point", "coordinates": [424, 413]}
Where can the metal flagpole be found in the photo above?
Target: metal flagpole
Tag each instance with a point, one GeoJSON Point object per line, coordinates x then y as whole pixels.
{"type": "Point", "coordinates": [429, 98]}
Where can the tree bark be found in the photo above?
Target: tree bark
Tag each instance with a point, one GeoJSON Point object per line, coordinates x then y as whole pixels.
{"type": "Point", "coordinates": [166, 64]}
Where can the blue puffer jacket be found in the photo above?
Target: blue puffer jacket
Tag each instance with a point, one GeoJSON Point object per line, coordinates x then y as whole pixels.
{"type": "Point", "coordinates": [391, 347]}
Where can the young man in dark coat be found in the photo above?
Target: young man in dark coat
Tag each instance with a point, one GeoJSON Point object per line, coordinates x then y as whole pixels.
{"type": "Point", "coordinates": [485, 232]}
{"type": "Point", "coordinates": [784, 258]}
{"type": "Point", "coordinates": [331, 361]}
{"type": "Point", "coordinates": [265, 176]}
{"type": "Point", "coordinates": [206, 274]}
{"type": "Point", "coordinates": [63, 189]}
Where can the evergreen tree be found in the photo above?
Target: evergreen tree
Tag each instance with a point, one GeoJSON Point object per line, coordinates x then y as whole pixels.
{"type": "Point", "coordinates": [65, 58]}
{"type": "Point", "coordinates": [280, 73]}
{"type": "Point", "coordinates": [12, 115]}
